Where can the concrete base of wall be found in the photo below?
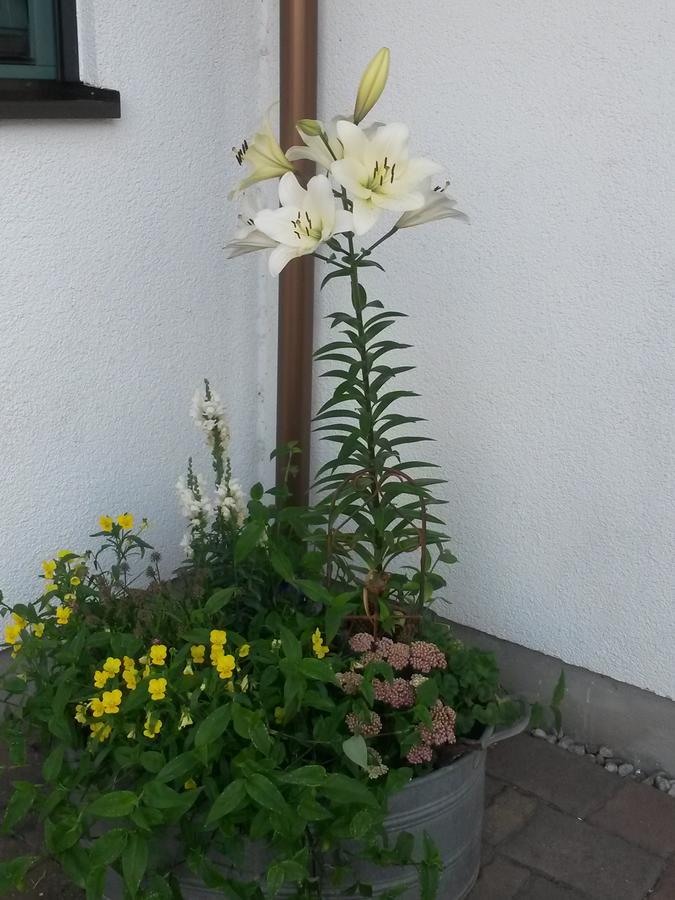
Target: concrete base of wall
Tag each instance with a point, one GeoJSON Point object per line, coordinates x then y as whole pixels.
{"type": "Point", "coordinates": [637, 725]}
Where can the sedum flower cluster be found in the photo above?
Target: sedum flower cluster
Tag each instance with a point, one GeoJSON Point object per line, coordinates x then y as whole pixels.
{"type": "Point", "coordinates": [366, 172]}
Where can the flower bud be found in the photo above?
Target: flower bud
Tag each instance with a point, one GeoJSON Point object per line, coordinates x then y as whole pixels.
{"type": "Point", "coordinates": [372, 84]}
{"type": "Point", "coordinates": [310, 127]}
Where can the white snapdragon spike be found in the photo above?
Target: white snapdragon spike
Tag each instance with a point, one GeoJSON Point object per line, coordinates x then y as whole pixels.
{"type": "Point", "coordinates": [315, 147]}
{"type": "Point", "coordinates": [231, 503]}
{"type": "Point", "coordinates": [437, 205]}
{"type": "Point", "coordinates": [306, 219]}
{"type": "Point", "coordinates": [197, 510]}
{"type": "Point", "coordinates": [186, 545]}
{"type": "Point", "coordinates": [378, 173]}
{"type": "Point", "coordinates": [264, 156]}
{"type": "Point", "coordinates": [209, 415]}
{"type": "Point", "coordinates": [247, 238]}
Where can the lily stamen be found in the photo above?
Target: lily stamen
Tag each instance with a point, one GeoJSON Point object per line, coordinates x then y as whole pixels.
{"type": "Point", "coordinates": [240, 153]}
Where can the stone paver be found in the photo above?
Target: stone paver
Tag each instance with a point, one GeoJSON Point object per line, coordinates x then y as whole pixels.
{"type": "Point", "coordinates": [554, 775]}
{"type": "Point", "coordinates": [499, 880]}
{"type": "Point", "coordinates": [538, 888]}
{"type": "Point", "coordinates": [665, 888]}
{"type": "Point", "coordinates": [492, 787]}
{"type": "Point", "coordinates": [604, 866]}
{"type": "Point", "coordinates": [507, 814]}
{"type": "Point", "coordinates": [645, 817]}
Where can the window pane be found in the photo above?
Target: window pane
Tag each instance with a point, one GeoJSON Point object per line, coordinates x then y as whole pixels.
{"type": "Point", "coordinates": [14, 31]}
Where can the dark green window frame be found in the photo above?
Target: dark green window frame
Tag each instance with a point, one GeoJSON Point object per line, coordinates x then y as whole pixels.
{"type": "Point", "coordinates": [39, 64]}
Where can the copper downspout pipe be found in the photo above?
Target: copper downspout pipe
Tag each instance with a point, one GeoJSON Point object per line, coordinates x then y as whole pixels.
{"type": "Point", "coordinates": [297, 87]}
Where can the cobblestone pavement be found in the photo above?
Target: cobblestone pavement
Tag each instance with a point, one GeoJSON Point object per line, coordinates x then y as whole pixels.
{"type": "Point", "coordinates": [557, 827]}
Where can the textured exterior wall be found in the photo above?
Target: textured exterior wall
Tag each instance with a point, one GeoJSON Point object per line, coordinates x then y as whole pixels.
{"type": "Point", "coordinates": [115, 295]}
{"type": "Point", "coordinates": [543, 330]}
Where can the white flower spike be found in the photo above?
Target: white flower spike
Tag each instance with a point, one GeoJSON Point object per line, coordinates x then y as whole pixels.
{"type": "Point", "coordinates": [437, 205]}
{"type": "Point", "coordinates": [306, 219]}
{"type": "Point", "coordinates": [264, 155]}
{"type": "Point", "coordinates": [377, 172]}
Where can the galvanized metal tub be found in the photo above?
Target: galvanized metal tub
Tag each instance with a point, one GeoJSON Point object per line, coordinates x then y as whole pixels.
{"type": "Point", "coordinates": [447, 805]}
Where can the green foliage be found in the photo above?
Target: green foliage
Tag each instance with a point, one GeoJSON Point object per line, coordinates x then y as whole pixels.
{"type": "Point", "coordinates": [542, 715]}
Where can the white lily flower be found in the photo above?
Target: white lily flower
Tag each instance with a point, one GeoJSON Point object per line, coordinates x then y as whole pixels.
{"type": "Point", "coordinates": [372, 84]}
{"type": "Point", "coordinates": [377, 172]}
{"type": "Point", "coordinates": [315, 146]}
{"type": "Point", "coordinates": [437, 205]}
{"type": "Point", "coordinates": [306, 219]}
{"type": "Point", "coordinates": [247, 238]}
{"type": "Point", "coordinates": [264, 155]}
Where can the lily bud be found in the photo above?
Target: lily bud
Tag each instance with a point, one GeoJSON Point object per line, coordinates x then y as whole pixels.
{"type": "Point", "coordinates": [310, 127]}
{"type": "Point", "coordinates": [372, 84]}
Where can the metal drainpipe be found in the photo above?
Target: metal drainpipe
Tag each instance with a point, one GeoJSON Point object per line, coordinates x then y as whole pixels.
{"type": "Point", "coordinates": [297, 86]}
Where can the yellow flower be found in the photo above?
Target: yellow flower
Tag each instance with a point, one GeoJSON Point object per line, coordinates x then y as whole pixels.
{"type": "Point", "coordinates": [146, 671]}
{"type": "Point", "coordinates": [100, 731]}
{"type": "Point", "coordinates": [81, 714]}
{"type": "Point", "coordinates": [279, 713]}
{"type": "Point", "coordinates": [111, 701]}
{"type": "Point", "coordinates": [320, 649]}
{"type": "Point", "coordinates": [226, 665]}
{"type": "Point", "coordinates": [158, 654]}
{"type": "Point", "coordinates": [100, 678]}
{"type": "Point", "coordinates": [372, 84]}
{"type": "Point", "coordinates": [217, 652]}
{"type": "Point", "coordinates": [105, 523]}
{"type": "Point", "coordinates": [197, 652]}
{"type": "Point", "coordinates": [112, 665]}
{"type": "Point", "coordinates": [244, 650]}
{"type": "Point", "coordinates": [49, 567]}
{"type": "Point", "coordinates": [51, 587]}
{"type": "Point", "coordinates": [39, 629]}
{"type": "Point", "coordinates": [190, 784]}
{"type": "Point", "coordinates": [130, 677]}
{"type": "Point", "coordinates": [126, 521]}
{"type": "Point", "coordinates": [157, 688]}
{"type": "Point", "coordinates": [152, 727]}
{"type": "Point", "coordinates": [68, 598]}
{"type": "Point", "coordinates": [75, 581]}
{"type": "Point", "coordinates": [218, 637]}
{"type": "Point", "coordinates": [63, 613]}
{"type": "Point", "coordinates": [128, 662]}
{"type": "Point", "coordinates": [12, 633]}
{"type": "Point", "coordinates": [97, 706]}
{"type": "Point", "coordinates": [19, 620]}
{"type": "Point", "coordinates": [188, 670]}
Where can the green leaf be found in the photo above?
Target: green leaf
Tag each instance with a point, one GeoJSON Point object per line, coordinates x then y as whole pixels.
{"type": "Point", "coordinates": [178, 767]}
{"type": "Point", "coordinates": [307, 776]}
{"type": "Point", "coordinates": [318, 669]}
{"type": "Point", "coordinates": [213, 726]}
{"type": "Point", "coordinates": [281, 564]}
{"type": "Point", "coordinates": [109, 847]}
{"type": "Point", "coordinates": [260, 737]}
{"type": "Point", "coordinates": [113, 805]}
{"type": "Point", "coordinates": [160, 796]}
{"type": "Point", "coordinates": [559, 692]}
{"type": "Point", "coordinates": [342, 789]}
{"type": "Point", "coordinates": [95, 883]}
{"type": "Point", "coordinates": [227, 801]}
{"type": "Point", "coordinates": [14, 871]}
{"type": "Point", "coordinates": [151, 760]}
{"type": "Point", "coordinates": [356, 749]}
{"type": "Point", "coordinates": [76, 864]}
{"type": "Point", "coordinates": [51, 768]}
{"type": "Point", "coordinates": [24, 795]}
{"type": "Point", "coordinates": [257, 491]}
{"type": "Point", "coordinates": [261, 790]}
{"type": "Point", "coordinates": [135, 861]}
{"type": "Point", "coordinates": [60, 836]}
{"type": "Point", "coordinates": [290, 644]}
{"type": "Point", "coordinates": [218, 600]}
{"type": "Point", "coordinates": [248, 540]}
{"type": "Point", "coordinates": [13, 684]}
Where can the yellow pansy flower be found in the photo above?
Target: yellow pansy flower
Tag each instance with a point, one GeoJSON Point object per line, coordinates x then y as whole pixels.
{"type": "Point", "coordinates": [226, 665]}
{"type": "Point", "coordinates": [158, 654]}
{"type": "Point", "coordinates": [97, 706]}
{"type": "Point", "coordinates": [19, 620]}
{"type": "Point", "coordinates": [81, 714]}
{"type": "Point", "coordinates": [111, 701]}
{"type": "Point", "coordinates": [190, 784]}
{"type": "Point", "coordinates": [112, 665]}
{"type": "Point", "coordinates": [39, 629]}
{"type": "Point", "coordinates": [75, 581]}
{"type": "Point", "coordinates": [244, 650]}
{"type": "Point", "coordinates": [217, 652]}
{"type": "Point", "coordinates": [157, 688]}
{"type": "Point", "coordinates": [197, 652]}
{"type": "Point", "coordinates": [130, 677]}
{"type": "Point", "coordinates": [100, 731]}
{"type": "Point", "coordinates": [320, 649]}
{"type": "Point", "coordinates": [12, 633]}
{"type": "Point", "coordinates": [49, 568]}
{"type": "Point", "coordinates": [63, 613]}
{"type": "Point", "coordinates": [128, 662]}
{"type": "Point", "coordinates": [105, 523]}
{"type": "Point", "coordinates": [152, 727]}
{"type": "Point", "coordinates": [100, 678]}
{"type": "Point", "coordinates": [218, 637]}
{"type": "Point", "coordinates": [279, 713]}
{"type": "Point", "coordinates": [126, 521]}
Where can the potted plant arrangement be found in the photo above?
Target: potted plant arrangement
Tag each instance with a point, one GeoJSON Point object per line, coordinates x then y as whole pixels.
{"type": "Point", "coordinates": [286, 715]}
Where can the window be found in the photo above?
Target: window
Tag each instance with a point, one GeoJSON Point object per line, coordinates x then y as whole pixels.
{"type": "Point", "coordinates": [39, 64]}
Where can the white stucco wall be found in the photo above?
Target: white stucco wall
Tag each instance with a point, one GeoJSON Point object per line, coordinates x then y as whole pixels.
{"type": "Point", "coordinates": [544, 329]}
{"type": "Point", "coordinates": [115, 295]}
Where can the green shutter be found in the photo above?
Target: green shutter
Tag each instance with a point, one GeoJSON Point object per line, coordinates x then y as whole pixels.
{"type": "Point", "coordinates": [28, 42]}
